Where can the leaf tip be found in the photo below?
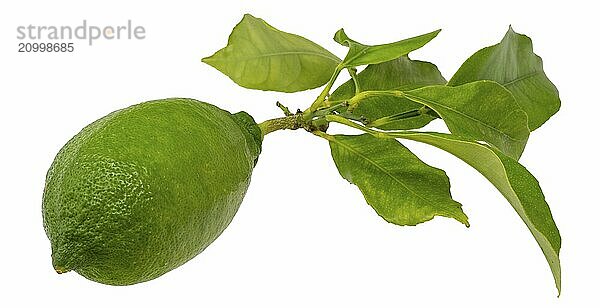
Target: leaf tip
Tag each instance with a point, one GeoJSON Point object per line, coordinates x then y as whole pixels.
{"type": "Point", "coordinates": [510, 32]}
{"type": "Point", "coordinates": [462, 218]}
{"type": "Point", "coordinates": [459, 215]}
{"type": "Point", "coordinates": [340, 37]}
{"type": "Point", "coordinates": [557, 282]}
{"type": "Point", "coordinates": [249, 19]}
{"type": "Point", "coordinates": [431, 35]}
{"type": "Point", "coordinates": [248, 15]}
{"type": "Point", "coordinates": [207, 60]}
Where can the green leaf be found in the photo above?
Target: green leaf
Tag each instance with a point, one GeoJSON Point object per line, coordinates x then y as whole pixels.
{"type": "Point", "coordinates": [401, 188]}
{"type": "Point", "coordinates": [398, 74]}
{"type": "Point", "coordinates": [513, 64]}
{"type": "Point", "coordinates": [360, 54]}
{"type": "Point", "coordinates": [515, 183]}
{"type": "Point", "coordinates": [258, 56]}
{"type": "Point", "coordinates": [481, 110]}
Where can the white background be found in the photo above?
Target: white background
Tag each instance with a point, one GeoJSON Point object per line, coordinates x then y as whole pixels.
{"type": "Point", "coordinates": [304, 236]}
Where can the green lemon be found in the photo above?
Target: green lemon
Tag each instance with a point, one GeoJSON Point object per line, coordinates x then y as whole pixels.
{"type": "Point", "coordinates": [144, 189]}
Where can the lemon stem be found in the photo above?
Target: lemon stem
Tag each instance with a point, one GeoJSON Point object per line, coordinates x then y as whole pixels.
{"type": "Point", "coordinates": [292, 122]}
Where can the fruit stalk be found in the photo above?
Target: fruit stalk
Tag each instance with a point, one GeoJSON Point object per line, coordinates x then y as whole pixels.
{"type": "Point", "coordinates": [291, 122]}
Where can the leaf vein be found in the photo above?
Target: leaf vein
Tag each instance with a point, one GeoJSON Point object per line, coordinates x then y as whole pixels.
{"type": "Point", "coordinates": [426, 102]}
{"type": "Point", "coordinates": [526, 76]}
{"type": "Point", "coordinates": [276, 54]}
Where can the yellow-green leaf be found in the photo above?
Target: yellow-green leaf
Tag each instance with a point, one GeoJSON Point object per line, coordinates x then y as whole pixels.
{"type": "Point", "coordinates": [360, 54]}
{"type": "Point", "coordinates": [400, 187]}
{"type": "Point", "coordinates": [513, 64]}
{"type": "Point", "coordinates": [258, 56]}
{"type": "Point", "coordinates": [516, 184]}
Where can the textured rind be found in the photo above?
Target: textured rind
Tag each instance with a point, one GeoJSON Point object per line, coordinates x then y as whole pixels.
{"type": "Point", "coordinates": [144, 189]}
